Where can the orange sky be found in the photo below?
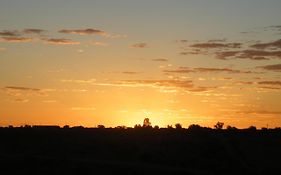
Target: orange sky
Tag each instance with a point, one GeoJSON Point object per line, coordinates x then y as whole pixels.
{"type": "Point", "coordinates": [89, 63]}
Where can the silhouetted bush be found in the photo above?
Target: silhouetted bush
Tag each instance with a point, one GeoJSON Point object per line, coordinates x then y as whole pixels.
{"type": "Point", "coordinates": [194, 127]}
{"type": "Point", "coordinates": [219, 125]}
{"type": "Point", "coordinates": [170, 126]}
{"type": "Point", "coordinates": [101, 126]}
{"type": "Point", "coordinates": [178, 126]}
{"type": "Point", "coordinates": [232, 128]}
{"type": "Point", "coordinates": [146, 123]}
{"type": "Point", "coordinates": [156, 127]}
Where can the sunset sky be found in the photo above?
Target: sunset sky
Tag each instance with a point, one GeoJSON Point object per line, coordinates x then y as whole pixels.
{"type": "Point", "coordinates": [115, 62]}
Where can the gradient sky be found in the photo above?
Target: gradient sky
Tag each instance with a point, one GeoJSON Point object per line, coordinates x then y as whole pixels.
{"type": "Point", "coordinates": [91, 62]}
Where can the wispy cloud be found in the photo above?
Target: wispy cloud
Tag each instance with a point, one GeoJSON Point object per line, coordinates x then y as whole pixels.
{"type": "Point", "coordinates": [160, 59]}
{"type": "Point", "coordinates": [78, 81]}
{"type": "Point", "coordinates": [139, 45]}
{"type": "Point", "coordinates": [61, 41]}
{"type": "Point", "coordinates": [89, 31]}
{"type": "Point", "coordinates": [130, 72]}
{"type": "Point", "coordinates": [216, 45]}
{"type": "Point", "coordinates": [272, 45]}
{"type": "Point", "coordinates": [16, 39]}
{"type": "Point", "coordinates": [273, 67]}
{"type": "Point", "coordinates": [19, 91]}
{"type": "Point", "coordinates": [274, 83]}
{"type": "Point", "coordinates": [204, 70]}
{"type": "Point", "coordinates": [162, 85]}
{"type": "Point", "coordinates": [9, 33]}
{"type": "Point", "coordinates": [33, 31]}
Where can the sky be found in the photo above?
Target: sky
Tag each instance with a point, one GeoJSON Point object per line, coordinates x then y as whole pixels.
{"type": "Point", "coordinates": [91, 62]}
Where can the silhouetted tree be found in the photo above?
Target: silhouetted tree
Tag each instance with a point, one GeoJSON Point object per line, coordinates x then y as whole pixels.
{"type": "Point", "coordinates": [121, 127]}
{"type": "Point", "coordinates": [137, 126]}
{"type": "Point", "coordinates": [178, 126]}
{"type": "Point", "coordinates": [146, 123]}
{"type": "Point", "coordinates": [252, 128]}
{"type": "Point", "coordinates": [194, 127]}
{"type": "Point", "coordinates": [231, 128]}
{"type": "Point", "coordinates": [219, 125]}
{"type": "Point", "coordinates": [101, 126]}
{"type": "Point", "coordinates": [169, 126]}
{"type": "Point", "coordinates": [156, 127]}
{"type": "Point", "coordinates": [65, 126]}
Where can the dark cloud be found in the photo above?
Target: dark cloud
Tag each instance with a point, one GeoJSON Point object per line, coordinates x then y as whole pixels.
{"type": "Point", "coordinates": [160, 59]}
{"type": "Point", "coordinates": [16, 39]}
{"type": "Point", "coordinates": [88, 31]}
{"type": "Point", "coordinates": [61, 41]}
{"type": "Point", "coordinates": [226, 54]}
{"type": "Point", "coordinates": [205, 70]}
{"type": "Point", "coordinates": [139, 45]}
{"type": "Point", "coordinates": [217, 40]}
{"type": "Point", "coordinates": [9, 33]}
{"type": "Point", "coordinates": [210, 45]}
{"type": "Point", "coordinates": [130, 72]}
{"type": "Point", "coordinates": [273, 83]}
{"type": "Point", "coordinates": [33, 31]}
{"type": "Point", "coordinates": [248, 54]}
{"type": "Point", "coordinates": [274, 44]}
{"type": "Point", "coordinates": [21, 88]}
{"type": "Point", "coordinates": [273, 67]}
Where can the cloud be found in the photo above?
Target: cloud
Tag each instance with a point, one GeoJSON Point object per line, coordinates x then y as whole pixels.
{"type": "Point", "coordinates": [89, 31]}
{"type": "Point", "coordinates": [274, 44]}
{"type": "Point", "coordinates": [16, 39]}
{"type": "Point", "coordinates": [78, 81]}
{"type": "Point", "coordinates": [33, 31]}
{"type": "Point", "coordinates": [130, 72]}
{"type": "Point", "coordinates": [216, 45]}
{"type": "Point", "coordinates": [205, 70]}
{"type": "Point", "coordinates": [162, 85]}
{"type": "Point", "coordinates": [273, 67]}
{"type": "Point", "coordinates": [21, 88]}
{"type": "Point", "coordinates": [273, 83]}
{"type": "Point", "coordinates": [61, 41]}
{"type": "Point", "coordinates": [160, 59]}
{"type": "Point", "coordinates": [139, 45]}
{"type": "Point", "coordinates": [19, 100]}
{"type": "Point", "coordinates": [9, 33]}
{"type": "Point", "coordinates": [248, 54]}
{"type": "Point", "coordinates": [19, 91]}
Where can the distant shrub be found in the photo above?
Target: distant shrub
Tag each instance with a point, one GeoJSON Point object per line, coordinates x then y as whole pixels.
{"type": "Point", "coordinates": [169, 126]}
{"type": "Point", "coordinates": [101, 126]}
{"type": "Point", "coordinates": [219, 125]}
{"type": "Point", "coordinates": [146, 123]}
{"type": "Point", "coordinates": [194, 127]}
{"type": "Point", "coordinates": [178, 126]}
{"type": "Point", "coordinates": [231, 128]}
{"type": "Point", "coordinates": [156, 127]}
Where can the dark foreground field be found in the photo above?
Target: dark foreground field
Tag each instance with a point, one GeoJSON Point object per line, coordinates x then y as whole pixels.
{"type": "Point", "coordinates": [139, 151]}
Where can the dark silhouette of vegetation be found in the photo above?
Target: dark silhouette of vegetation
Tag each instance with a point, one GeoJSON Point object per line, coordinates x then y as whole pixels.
{"type": "Point", "coordinates": [144, 149]}
{"type": "Point", "coordinates": [146, 123]}
{"type": "Point", "coordinates": [178, 126]}
{"type": "Point", "coordinates": [219, 125]}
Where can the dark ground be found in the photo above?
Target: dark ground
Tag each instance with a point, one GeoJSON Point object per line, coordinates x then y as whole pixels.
{"type": "Point", "coordinates": [49, 150]}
